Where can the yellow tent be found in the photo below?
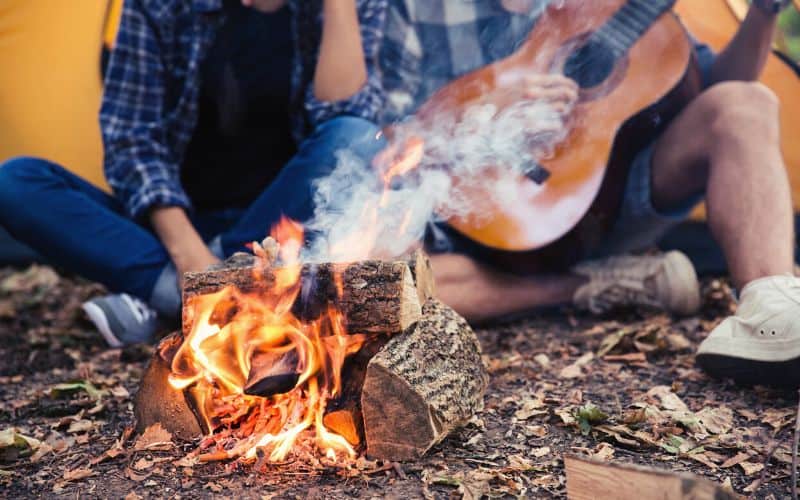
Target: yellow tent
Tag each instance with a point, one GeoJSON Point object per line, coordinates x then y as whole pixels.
{"type": "Point", "coordinates": [50, 84]}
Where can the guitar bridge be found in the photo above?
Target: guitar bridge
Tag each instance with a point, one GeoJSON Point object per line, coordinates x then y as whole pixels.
{"type": "Point", "coordinates": [537, 174]}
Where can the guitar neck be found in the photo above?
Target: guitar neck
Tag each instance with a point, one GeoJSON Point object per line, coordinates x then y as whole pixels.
{"type": "Point", "coordinates": [629, 23]}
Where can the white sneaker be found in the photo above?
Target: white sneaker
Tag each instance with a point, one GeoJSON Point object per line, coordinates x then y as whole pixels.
{"type": "Point", "coordinates": [665, 281]}
{"type": "Point", "coordinates": [761, 343]}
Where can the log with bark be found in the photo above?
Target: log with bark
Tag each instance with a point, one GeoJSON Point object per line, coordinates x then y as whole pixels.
{"type": "Point", "coordinates": [422, 385]}
{"type": "Point", "coordinates": [158, 402]}
{"type": "Point", "coordinates": [374, 296]}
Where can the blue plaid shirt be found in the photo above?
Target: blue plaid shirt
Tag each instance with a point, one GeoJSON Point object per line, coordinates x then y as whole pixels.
{"type": "Point", "coordinates": [150, 104]}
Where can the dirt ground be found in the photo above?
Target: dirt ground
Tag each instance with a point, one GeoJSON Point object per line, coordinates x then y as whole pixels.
{"type": "Point", "coordinates": [621, 388]}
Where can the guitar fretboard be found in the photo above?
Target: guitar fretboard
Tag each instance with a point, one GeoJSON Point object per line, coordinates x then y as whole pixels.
{"type": "Point", "coordinates": [629, 23]}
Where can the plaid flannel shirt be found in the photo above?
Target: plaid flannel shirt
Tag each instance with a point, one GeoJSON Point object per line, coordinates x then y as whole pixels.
{"type": "Point", "coordinates": [426, 44]}
{"type": "Point", "coordinates": [150, 104]}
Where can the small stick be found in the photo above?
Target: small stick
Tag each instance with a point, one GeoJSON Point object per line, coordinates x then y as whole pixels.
{"type": "Point", "coordinates": [763, 476]}
{"type": "Point", "coordinates": [794, 449]}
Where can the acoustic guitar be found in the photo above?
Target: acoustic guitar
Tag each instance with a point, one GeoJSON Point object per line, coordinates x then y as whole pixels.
{"type": "Point", "coordinates": [636, 70]}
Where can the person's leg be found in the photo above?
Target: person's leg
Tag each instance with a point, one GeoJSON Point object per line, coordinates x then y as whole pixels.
{"type": "Point", "coordinates": [480, 293]}
{"type": "Point", "coordinates": [727, 144]}
{"type": "Point", "coordinates": [78, 227]}
{"type": "Point", "coordinates": [291, 193]}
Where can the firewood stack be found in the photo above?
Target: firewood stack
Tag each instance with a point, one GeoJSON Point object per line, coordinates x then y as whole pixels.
{"type": "Point", "coordinates": [403, 392]}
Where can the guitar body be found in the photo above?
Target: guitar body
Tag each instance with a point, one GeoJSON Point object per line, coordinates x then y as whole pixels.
{"type": "Point", "coordinates": [560, 220]}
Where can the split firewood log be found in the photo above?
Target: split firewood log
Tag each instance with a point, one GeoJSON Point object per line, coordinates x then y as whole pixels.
{"type": "Point", "coordinates": [374, 296]}
{"type": "Point", "coordinates": [157, 401]}
{"type": "Point", "coordinates": [422, 385]}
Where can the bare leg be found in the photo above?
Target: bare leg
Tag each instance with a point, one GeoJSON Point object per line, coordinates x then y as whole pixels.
{"type": "Point", "coordinates": [727, 143]}
{"type": "Point", "coordinates": [480, 293]}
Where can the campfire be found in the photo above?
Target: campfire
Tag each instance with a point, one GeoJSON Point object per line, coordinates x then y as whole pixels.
{"type": "Point", "coordinates": [276, 354]}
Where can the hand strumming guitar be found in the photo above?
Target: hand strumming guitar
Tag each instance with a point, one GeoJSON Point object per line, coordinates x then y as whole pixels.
{"type": "Point", "coordinates": [557, 91]}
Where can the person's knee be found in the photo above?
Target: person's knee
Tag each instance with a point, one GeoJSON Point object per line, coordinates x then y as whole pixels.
{"type": "Point", "coordinates": [742, 112]}
{"type": "Point", "coordinates": [22, 169]}
{"type": "Point", "coordinates": [17, 176]}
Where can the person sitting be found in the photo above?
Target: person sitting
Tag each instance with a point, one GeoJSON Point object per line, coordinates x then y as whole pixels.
{"type": "Point", "coordinates": [199, 152]}
{"type": "Point", "coordinates": [724, 148]}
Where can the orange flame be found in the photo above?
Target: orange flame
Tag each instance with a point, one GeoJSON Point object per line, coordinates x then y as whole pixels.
{"type": "Point", "coordinates": [236, 335]}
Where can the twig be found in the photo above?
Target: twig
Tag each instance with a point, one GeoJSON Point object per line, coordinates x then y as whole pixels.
{"type": "Point", "coordinates": [794, 449]}
{"type": "Point", "coordinates": [763, 476]}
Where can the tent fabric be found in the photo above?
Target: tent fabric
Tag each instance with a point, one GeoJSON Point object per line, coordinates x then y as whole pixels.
{"type": "Point", "coordinates": [50, 88]}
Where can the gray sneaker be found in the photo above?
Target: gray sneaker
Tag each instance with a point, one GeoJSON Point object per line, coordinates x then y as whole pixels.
{"type": "Point", "coordinates": [122, 320]}
{"type": "Point", "coordinates": [664, 281]}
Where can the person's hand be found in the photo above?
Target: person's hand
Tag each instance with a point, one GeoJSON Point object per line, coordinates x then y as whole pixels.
{"type": "Point", "coordinates": [556, 91]}
{"type": "Point", "coordinates": [192, 260]}
{"type": "Point", "coordinates": [185, 247]}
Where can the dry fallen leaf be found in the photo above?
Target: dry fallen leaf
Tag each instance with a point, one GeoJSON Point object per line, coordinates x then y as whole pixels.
{"type": "Point", "coordinates": [530, 408]}
{"type": "Point", "coordinates": [604, 451]}
{"type": "Point", "coordinates": [540, 452]}
{"type": "Point", "coordinates": [14, 445]}
{"type": "Point", "coordinates": [716, 420]}
{"type": "Point", "coordinates": [735, 460]}
{"type": "Point", "coordinates": [143, 464]}
{"type": "Point", "coordinates": [154, 437]}
{"type": "Point", "coordinates": [750, 468]}
{"type": "Point", "coordinates": [78, 474]}
{"type": "Point", "coordinates": [575, 370]}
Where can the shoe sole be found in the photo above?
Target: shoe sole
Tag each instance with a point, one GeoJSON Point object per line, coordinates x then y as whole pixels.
{"type": "Point", "coordinates": [784, 374]}
{"type": "Point", "coordinates": [99, 319]}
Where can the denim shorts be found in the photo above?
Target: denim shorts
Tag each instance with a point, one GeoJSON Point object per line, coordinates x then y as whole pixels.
{"type": "Point", "coordinates": [639, 224]}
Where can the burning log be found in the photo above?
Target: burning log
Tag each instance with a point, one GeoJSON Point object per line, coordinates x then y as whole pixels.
{"type": "Point", "coordinates": [394, 380]}
{"type": "Point", "coordinates": [273, 374]}
{"type": "Point", "coordinates": [422, 385]}
{"type": "Point", "coordinates": [158, 402]}
{"type": "Point", "coordinates": [374, 296]}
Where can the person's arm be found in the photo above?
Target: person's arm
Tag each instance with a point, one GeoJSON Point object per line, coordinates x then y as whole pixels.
{"type": "Point", "coordinates": [346, 79]}
{"type": "Point", "coordinates": [185, 247]}
{"type": "Point", "coordinates": [141, 163]}
{"type": "Point", "coordinates": [745, 56]}
{"type": "Point", "coordinates": [341, 69]}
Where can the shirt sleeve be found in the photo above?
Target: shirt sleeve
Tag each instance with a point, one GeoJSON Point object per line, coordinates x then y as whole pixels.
{"type": "Point", "coordinates": [402, 54]}
{"type": "Point", "coordinates": [368, 102]}
{"type": "Point", "coordinates": [139, 163]}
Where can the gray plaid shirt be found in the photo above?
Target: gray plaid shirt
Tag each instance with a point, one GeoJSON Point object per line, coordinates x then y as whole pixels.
{"type": "Point", "coordinates": [428, 43]}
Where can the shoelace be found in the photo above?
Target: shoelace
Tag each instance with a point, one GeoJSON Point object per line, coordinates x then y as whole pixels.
{"type": "Point", "coordinates": [622, 295]}
{"type": "Point", "coordinates": [141, 311]}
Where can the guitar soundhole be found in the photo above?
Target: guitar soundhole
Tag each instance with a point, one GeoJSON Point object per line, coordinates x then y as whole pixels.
{"type": "Point", "coordinates": [590, 65]}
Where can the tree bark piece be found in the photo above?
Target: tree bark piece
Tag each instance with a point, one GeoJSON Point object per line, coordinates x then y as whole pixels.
{"type": "Point", "coordinates": [157, 402]}
{"type": "Point", "coordinates": [422, 385]}
{"type": "Point", "coordinates": [589, 479]}
{"type": "Point", "coordinates": [376, 296]}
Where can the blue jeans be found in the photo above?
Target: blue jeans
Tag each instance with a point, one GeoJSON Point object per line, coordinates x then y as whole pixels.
{"type": "Point", "coordinates": [84, 230]}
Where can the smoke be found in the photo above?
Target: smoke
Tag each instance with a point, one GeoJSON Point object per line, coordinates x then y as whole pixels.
{"type": "Point", "coordinates": [469, 164]}
{"type": "Point", "coordinates": [472, 162]}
